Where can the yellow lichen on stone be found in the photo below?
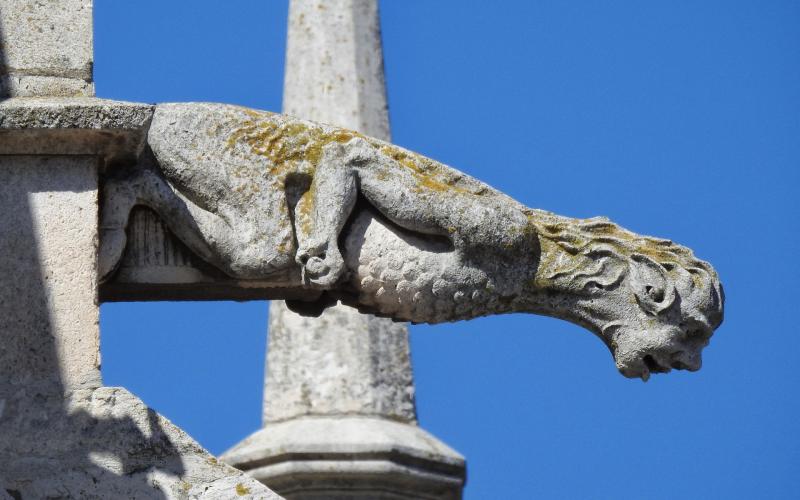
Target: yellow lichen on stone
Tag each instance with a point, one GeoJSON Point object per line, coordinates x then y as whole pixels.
{"type": "Point", "coordinates": [290, 143]}
{"type": "Point", "coordinates": [305, 210]}
{"type": "Point", "coordinates": [286, 142]}
{"type": "Point", "coordinates": [283, 247]}
{"type": "Point", "coordinates": [242, 490]}
{"type": "Point", "coordinates": [429, 175]}
{"type": "Point", "coordinates": [567, 245]}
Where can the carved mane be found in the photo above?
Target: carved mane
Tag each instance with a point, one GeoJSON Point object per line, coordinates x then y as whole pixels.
{"type": "Point", "coordinates": [596, 253]}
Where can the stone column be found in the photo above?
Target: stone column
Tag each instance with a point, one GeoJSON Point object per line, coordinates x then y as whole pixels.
{"type": "Point", "coordinates": [339, 414]}
{"type": "Point", "coordinates": [62, 434]}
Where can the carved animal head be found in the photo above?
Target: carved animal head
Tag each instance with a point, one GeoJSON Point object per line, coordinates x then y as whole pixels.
{"type": "Point", "coordinates": [651, 301]}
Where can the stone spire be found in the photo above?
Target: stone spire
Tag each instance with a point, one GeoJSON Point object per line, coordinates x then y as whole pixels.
{"type": "Point", "coordinates": [343, 363]}
{"type": "Point", "coordinates": [339, 392]}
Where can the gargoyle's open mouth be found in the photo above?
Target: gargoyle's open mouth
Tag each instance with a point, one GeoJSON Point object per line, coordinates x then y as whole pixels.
{"type": "Point", "coordinates": [642, 367]}
{"type": "Point", "coordinates": [653, 365]}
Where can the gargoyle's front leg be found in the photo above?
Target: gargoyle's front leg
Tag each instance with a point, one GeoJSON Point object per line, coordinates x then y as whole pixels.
{"type": "Point", "coordinates": [321, 214]}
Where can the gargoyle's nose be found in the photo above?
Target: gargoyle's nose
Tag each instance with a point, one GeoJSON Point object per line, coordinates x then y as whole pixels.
{"type": "Point", "coordinates": [688, 359]}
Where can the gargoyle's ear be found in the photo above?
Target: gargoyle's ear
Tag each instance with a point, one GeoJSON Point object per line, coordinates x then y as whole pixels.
{"type": "Point", "coordinates": [653, 288]}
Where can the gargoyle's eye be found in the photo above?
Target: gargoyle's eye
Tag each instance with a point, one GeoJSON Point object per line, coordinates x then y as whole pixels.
{"type": "Point", "coordinates": [650, 283]}
{"type": "Point", "coordinates": [593, 286]}
{"type": "Point", "coordinates": [654, 293]}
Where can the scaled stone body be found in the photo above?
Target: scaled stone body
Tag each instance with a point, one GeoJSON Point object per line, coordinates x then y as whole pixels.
{"type": "Point", "coordinates": [396, 234]}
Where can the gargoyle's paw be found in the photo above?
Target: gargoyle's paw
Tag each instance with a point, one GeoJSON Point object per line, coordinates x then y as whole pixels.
{"type": "Point", "coordinates": [323, 272]}
{"type": "Point", "coordinates": [321, 267]}
{"type": "Point", "coordinates": [309, 250]}
{"type": "Point", "coordinates": [112, 245]}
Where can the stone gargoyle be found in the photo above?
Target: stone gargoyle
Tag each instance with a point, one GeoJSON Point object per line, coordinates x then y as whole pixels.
{"type": "Point", "coordinates": [399, 235]}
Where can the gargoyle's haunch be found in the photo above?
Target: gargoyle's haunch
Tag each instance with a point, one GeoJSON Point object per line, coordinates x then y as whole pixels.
{"type": "Point", "coordinates": [400, 235]}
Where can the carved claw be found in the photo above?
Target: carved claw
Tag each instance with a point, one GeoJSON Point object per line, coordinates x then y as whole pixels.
{"type": "Point", "coordinates": [322, 264]}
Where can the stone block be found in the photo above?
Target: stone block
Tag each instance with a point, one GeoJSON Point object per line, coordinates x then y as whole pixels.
{"type": "Point", "coordinates": [46, 48]}
{"type": "Point", "coordinates": [114, 131]}
{"type": "Point", "coordinates": [48, 305]}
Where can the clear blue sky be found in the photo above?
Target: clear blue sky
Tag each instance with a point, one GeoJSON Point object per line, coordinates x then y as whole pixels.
{"type": "Point", "coordinates": [679, 119]}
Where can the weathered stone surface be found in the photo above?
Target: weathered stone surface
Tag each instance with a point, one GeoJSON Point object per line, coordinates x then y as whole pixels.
{"type": "Point", "coordinates": [154, 255]}
{"type": "Point", "coordinates": [112, 130]}
{"type": "Point", "coordinates": [334, 65]}
{"type": "Point", "coordinates": [84, 113]}
{"type": "Point", "coordinates": [334, 74]}
{"type": "Point", "coordinates": [62, 435]}
{"type": "Point", "coordinates": [495, 272]}
{"type": "Point", "coordinates": [238, 187]}
{"type": "Point", "coordinates": [105, 443]}
{"type": "Point", "coordinates": [342, 366]}
{"type": "Point", "coordinates": [652, 302]}
{"type": "Point", "coordinates": [353, 457]}
{"type": "Point", "coordinates": [46, 48]}
{"type": "Point", "coordinates": [337, 364]}
{"type": "Point", "coordinates": [48, 239]}
{"type": "Point", "coordinates": [230, 159]}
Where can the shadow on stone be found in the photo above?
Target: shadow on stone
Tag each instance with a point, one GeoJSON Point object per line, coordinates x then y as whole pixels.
{"type": "Point", "coordinates": [63, 438]}
{"type": "Point", "coordinates": [4, 92]}
{"type": "Point", "coordinates": [62, 434]}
